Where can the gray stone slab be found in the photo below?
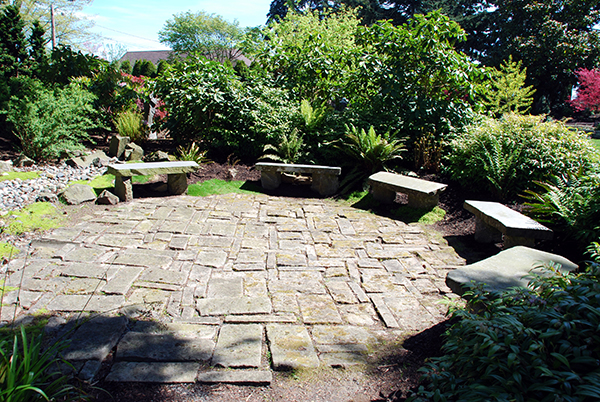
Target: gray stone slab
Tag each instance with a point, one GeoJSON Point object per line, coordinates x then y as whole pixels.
{"type": "Point", "coordinates": [83, 270]}
{"type": "Point", "coordinates": [248, 377]}
{"type": "Point", "coordinates": [146, 258]}
{"type": "Point", "coordinates": [122, 281]}
{"type": "Point", "coordinates": [343, 335]}
{"type": "Point", "coordinates": [95, 338]}
{"type": "Point", "coordinates": [86, 303]}
{"type": "Point", "coordinates": [234, 305]}
{"type": "Point", "coordinates": [163, 276]}
{"type": "Point", "coordinates": [153, 372]}
{"type": "Point", "coordinates": [140, 346]}
{"type": "Point", "coordinates": [239, 346]}
{"type": "Point", "coordinates": [116, 240]}
{"type": "Point", "coordinates": [84, 254]}
{"type": "Point", "coordinates": [384, 312]}
{"type": "Point", "coordinates": [318, 309]}
{"type": "Point", "coordinates": [507, 269]}
{"type": "Point", "coordinates": [214, 259]}
{"type": "Point", "coordinates": [291, 347]}
{"type": "Point", "coordinates": [225, 287]}
{"type": "Point", "coordinates": [152, 168]}
{"type": "Point", "coordinates": [242, 319]}
{"type": "Point", "coordinates": [341, 292]}
{"type": "Point", "coordinates": [343, 359]}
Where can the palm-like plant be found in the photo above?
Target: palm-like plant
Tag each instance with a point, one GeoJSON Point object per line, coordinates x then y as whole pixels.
{"type": "Point", "coordinates": [370, 149]}
{"type": "Point", "coordinates": [192, 153]}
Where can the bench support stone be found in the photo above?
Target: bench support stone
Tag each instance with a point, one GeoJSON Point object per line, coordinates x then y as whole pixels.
{"type": "Point", "coordinates": [421, 194]}
{"type": "Point", "coordinates": [325, 184]}
{"type": "Point", "coordinates": [177, 183]}
{"type": "Point", "coordinates": [123, 188]}
{"type": "Point", "coordinates": [270, 180]}
{"type": "Point", "coordinates": [324, 178]}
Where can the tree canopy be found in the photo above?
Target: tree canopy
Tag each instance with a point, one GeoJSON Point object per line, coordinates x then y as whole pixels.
{"type": "Point", "coordinates": [209, 35]}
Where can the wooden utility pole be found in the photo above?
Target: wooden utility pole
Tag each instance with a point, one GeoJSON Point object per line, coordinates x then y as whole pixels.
{"type": "Point", "coordinates": [52, 25]}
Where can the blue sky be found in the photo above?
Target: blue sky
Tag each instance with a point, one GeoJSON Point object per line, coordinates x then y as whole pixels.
{"type": "Point", "coordinates": [135, 23]}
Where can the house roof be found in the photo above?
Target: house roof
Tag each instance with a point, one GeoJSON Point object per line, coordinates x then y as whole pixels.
{"type": "Point", "coordinates": [156, 55]}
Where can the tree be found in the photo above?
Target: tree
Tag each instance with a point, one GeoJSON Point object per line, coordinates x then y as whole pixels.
{"type": "Point", "coordinates": [313, 55]}
{"type": "Point", "coordinates": [14, 57]}
{"type": "Point", "coordinates": [206, 34]}
{"type": "Point", "coordinates": [144, 68]}
{"type": "Point", "coordinates": [588, 93]}
{"type": "Point", "coordinates": [71, 27]}
{"type": "Point", "coordinates": [505, 91]}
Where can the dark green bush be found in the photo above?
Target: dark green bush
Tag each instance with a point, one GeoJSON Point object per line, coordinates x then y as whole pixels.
{"type": "Point", "coordinates": [505, 156]}
{"type": "Point", "coordinates": [144, 68]}
{"type": "Point", "coordinates": [48, 121]}
{"type": "Point", "coordinates": [535, 344]}
{"type": "Point", "coordinates": [208, 103]}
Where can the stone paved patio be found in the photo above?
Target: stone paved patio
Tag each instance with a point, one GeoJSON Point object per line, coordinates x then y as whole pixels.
{"type": "Point", "coordinates": [185, 286]}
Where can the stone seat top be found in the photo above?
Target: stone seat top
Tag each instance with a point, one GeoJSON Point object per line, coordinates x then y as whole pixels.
{"type": "Point", "coordinates": [287, 167]}
{"type": "Point", "coordinates": [401, 182]}
{"type": "Point", "coordinates": [150, 168]}
{"type": "Point", "coordinates": [508, 268]}
{"type": "Point", "coordinates": [508, 221]}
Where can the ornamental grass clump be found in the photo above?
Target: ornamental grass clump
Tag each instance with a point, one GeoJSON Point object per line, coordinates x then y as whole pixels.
{"type": "Point", "coordinates": [528, 344]}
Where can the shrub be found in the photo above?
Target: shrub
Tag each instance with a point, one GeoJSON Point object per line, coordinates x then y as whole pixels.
{"type": "Point", "coordinates": [588, 93]}
{"type": "Point", "coordinates": [288, 150]}
{"type": "Point", "coordinates": [507, 155]}
{"type": "Point", "coordinates": [48, 121]}
{"type": "Point", "coordinates": [528, 344]}
{"type": "Point", "coordinates": [129, 123]}
{"type": "Point", "coordinates": [570, 204]}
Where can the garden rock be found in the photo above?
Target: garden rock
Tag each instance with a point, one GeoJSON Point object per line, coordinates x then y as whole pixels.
{"type": "Point", "coordinates": [133, 152]}
{"type": "Point", "coordinates": [158, 156]}
{"type": "Point", "coordinates": [97, 159]}
{"type": "Point", "coordinates": [6, 166]}
{"type": "Point", "coordinates": [107, 198]}
{"type": "Point", "coordinates": [47, 197]}
{"type": "Point", "coordinates": [24, 161]}
{"type": "Point", "coordinates": [78, 194]}
{"type": "Point", "coordinates": [117, 145]}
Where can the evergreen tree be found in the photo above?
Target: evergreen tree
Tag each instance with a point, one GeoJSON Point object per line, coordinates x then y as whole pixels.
{"type": "Point", "coordinates": [13, 46]}
{"type": "Point", "coordinates": [37, 45]}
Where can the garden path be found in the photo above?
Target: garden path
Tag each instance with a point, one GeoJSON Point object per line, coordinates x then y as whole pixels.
{"type": "Point", "coordinates": [226, 288]}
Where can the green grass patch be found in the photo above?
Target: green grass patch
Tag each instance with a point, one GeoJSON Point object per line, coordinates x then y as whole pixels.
{"type": "Point", "coordinates": [596, 142]}
{"type": "Point", "coordinates": [106, 181]}
{"type": "Point", "coordinates": [37, 216]}
{"type": "Point", "coordinates": [7, 250]}
{"type": "Point", "coordinates": [424, 216]}
{"type": "Point", "coordinates": [216, 186]}
{"type": "Point", "coordinates": [19, 175]}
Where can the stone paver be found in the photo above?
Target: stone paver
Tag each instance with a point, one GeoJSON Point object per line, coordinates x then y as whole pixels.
{"type": "Point", "coordinates": [236, 280]}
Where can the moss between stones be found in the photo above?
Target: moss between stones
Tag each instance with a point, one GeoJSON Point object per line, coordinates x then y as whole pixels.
{"type": "Point", "coordinates": [7, 250]}
{"type": "Point", "coordinates": [37, 216]}
{"type": "Point", "coordinates": [19, 175]}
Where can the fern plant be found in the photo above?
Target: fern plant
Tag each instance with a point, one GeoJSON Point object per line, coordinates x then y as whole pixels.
{"type": "Point", "coordinates": [192, 153]}
{"type": "Point", "coordinates": [312, 116]}
{"type": "Point", "coordinates": [500, 164]}
{"type": "Point", "coordinates": [289, 149]}
{"type": "Point", "coordinates": [371, 150]}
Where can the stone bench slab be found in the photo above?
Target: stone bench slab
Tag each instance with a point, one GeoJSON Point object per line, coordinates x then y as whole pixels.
{"type": "Point", "coordinates": [324, 178]}
{"type": "Point", "coordinates": [507, 269]}
{"type": "Point", "coordinates": [518, 229]}
{"type": "Point", "coordinates": [176, 171]}
{"type": "Point", "coordinates": [421, 193]}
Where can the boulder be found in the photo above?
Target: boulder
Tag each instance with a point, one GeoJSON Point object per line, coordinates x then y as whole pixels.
{"type": "Point", "coordinates": [117, 145]}
{"type": "Point", "coordinates": [158, 156]}
{"type": "Point", "coordinates": [78, 193]}
{"type": "Point", "coordinates": [97, 158]}
{"type": "Point", "coordinates": [107, 198]}
{"type": "Point", "coordinates": [23, 161]}
{"type": "Point", "coordinates": [509, 268]}
{"type": "Point", "coordinates": [6, 166]}
{"type": "Point", "coordinates": [46, 197]}
{"type": "Point", "coordinates": [136, 154]}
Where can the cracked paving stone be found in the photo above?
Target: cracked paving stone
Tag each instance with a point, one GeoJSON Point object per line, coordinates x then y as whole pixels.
{"type": "Point", "coordinates": [291, 347]}
{"type": "Point", "coordinates": [318, 309]}
{"type": "Point", "coordinates": [234, 305]}
{"type": "Point", "coordinates": [239, 346]}
{"type": "Point", "coordinates": [140, 346]}
{"type": "Point", "coordinates": [95, 338]}
{"type": "Point", "coordinates": [87, 303]}
{"type": "Point", "coordinates": [153, 372]}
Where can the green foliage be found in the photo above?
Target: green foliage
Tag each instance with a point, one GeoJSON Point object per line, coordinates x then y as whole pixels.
{"type": "Point", "coordinates": [161, 67]}
{"type": "Point", "coordinates": [424, 216]}
{"type": "Point", "coordinates": [36, 216]}
{"type": "Point", "coordinates": [126, 67]}
{"type": "Point", "coordinates": [128, 123]}
{"type": "Point", "coordinates": [526, 344]}
{"type": "Point", "coordinates": [369, 149]}
{"type": "Point", "coordinates": [507, 155]}
{"type": "Point", "coordinates": [288, 150]}
{"type": "Point", "coordinates": [505, 91]}
{"type": "Point", "coordinates": [427, 152]}
{"type": "Point", "coordinates": [208, 103]}
{"type": "Point", "coordinates": [313, 117]}
{"type": "Point", "coordinates": [209, 35]}
{"type": "Point", "coordinates": [48, 121]}
{"type": "Point", "coordinates": [29, 372]}
{"type": "Point", "coordinates": [192, 153]}
{"type": "Point", "coordinates": [144, 68]}
{"type": "Point", "coordinates": [413, 79]}
{"type": "Point", "coordinates": [216, 186]}
{"type": "Point", "coordinates": [13, 46]}
{"type": "Point", "coordinates": [66, 63]}
{"type": "Point", "coordinates": [6, 251]}
{"type": "Point", "coordinates": [570, 204]}
{"type": "Point", "coordinates": [312, 54]}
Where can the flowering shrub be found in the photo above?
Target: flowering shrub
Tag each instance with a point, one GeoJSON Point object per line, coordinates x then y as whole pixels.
{"type": "Point", "coordinates": [588, 94]}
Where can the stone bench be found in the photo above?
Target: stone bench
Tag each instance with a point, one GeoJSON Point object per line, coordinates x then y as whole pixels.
{"type": "Point", "coordinates": [176, 179]}
{"type": "Point", "coordinates": [509, 268]}
{"type": "Point", "coordinates": [493, 221]}
{"type": "Point", "coordinates": [421, 193]}
{"type": "Point", "coordinates": [324, 178]}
